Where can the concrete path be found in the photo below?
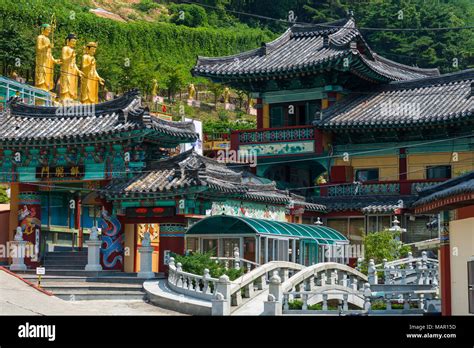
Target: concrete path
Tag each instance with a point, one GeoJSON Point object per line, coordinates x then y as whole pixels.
{"type": "Point", "coordinates": [254, 306]}
{"type": "Point", "coordinates": [18, 298]}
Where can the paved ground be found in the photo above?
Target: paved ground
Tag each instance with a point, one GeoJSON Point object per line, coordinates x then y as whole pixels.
{"type": "Point", "coordinates": [18, 298]}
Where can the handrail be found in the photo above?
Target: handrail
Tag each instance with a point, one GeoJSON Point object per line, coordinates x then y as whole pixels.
{"type": "Point", "coordinates": [312, 270]}
{"type": "Point", "coordinates": [254, 274]}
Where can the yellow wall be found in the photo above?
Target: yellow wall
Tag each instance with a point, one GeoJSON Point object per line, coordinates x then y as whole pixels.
{"type": "Point", "coordinates": [388, 165]}
{"type": "Point", "coordinates": [129, 258]}
{"type": "Point", "coordinates": [266, 115]}
{"type": "Point", "coordinates": [461, 234]}
{"type": "Point", "coordinates": [417, 163]}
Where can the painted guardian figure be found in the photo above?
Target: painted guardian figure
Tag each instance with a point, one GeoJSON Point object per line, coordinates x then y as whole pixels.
{"type": "Point", "coordinates": [90, 80]}
{"type": "Point", "coordinates": [69, 71]}
{"type": "Point", "coordinates": [44, 60]}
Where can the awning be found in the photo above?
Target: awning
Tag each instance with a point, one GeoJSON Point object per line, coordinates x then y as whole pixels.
{"type": "Point", "coordinates": [233, 225]}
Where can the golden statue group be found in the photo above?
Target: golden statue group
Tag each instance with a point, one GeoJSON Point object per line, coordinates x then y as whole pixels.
{"type": "Point", "coordinates": [69, 73]}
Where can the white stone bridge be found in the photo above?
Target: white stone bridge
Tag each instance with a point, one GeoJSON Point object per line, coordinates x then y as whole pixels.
{"type": "Point", "coordinates": [282, 287]}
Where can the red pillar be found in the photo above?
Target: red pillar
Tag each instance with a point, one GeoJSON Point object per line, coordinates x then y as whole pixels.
{"type": "Point", "coordinates": [445, 273]}
{"type": "Point", "coordinates": [402, 164]}
{"type": "Point", "coordinates": [29, 219]}
{"type": "Point", "coordinates": [259, 113]}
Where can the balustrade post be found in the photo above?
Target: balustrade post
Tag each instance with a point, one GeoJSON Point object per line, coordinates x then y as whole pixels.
{"type": "Point", "coordinates": [179, 280]}
{"type": "Point", "coordinates": [344, 280]}
{"type": "Point", "coordinates": [345, 302]}
{"type": "Point", "coordinates": [221, 300]}
{"type": "Point", "coordinates": [286, 300]}
{"type": "Point", "coordinates": [421, 301]}
{"type": "Point", "coordinates": [323, 279]}
{"type": "Point", "coordinates": [273, 305]}
{"type": "Point", "coordinates": [388, 302]}
{"type": "Point", "coordinates": [305, 302]}
{"type": "Point", "coordinates": [354, 284]}
{"type": "Point", "coordinates": [367, 297]}
{"type": "Point", "coordinates": [406, 301]}
{"type": "Point", "coordinates": [386, 272]}
{"type": "Point", "coordinates": [372, 272]}
{"type": "Point", "coordinates": [172, 271]}
{"type": "Point", "coordinates": [334, 277]}
{"type": "Point", "coordinates": [284, 274]}
{"type": "Point", "coordinates": [410, 258]}
{"type": "Point", "coordinates": [325, 302]}
{"type": "Point", "coordinates": [419, 273]}
{"type": "Point", "coordinates": [404, 276]}
{"type": "Point", "coordinates": [205, 281]}
{"type": "Point", "coordinates": [236, 258]}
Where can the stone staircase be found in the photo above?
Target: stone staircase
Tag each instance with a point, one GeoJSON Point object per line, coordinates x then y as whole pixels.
{"type": "Point", "coordinates": [66, 278]}
{"type": "Point", "coordinates": [65, 260]}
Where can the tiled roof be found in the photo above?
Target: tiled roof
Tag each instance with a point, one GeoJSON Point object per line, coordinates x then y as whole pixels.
{"type": "Point", "coordinates": [301, 49]}
{"type": "Point", "coordinates": [445, 99]}
{"type": "Point", "coordinates": [32, 124]}
{"type": "Point", "coordinates": [455, 186]}
{"type": "Point", "coordinates": [191, 170]}
{"type": "Point", "coordinates": [372, 204]}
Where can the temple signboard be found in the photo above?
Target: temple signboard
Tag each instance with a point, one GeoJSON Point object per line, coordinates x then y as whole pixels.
{"type": "Point", "coordinates": [60, 172]}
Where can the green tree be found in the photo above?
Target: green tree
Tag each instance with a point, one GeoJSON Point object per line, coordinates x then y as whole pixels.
{"type": "Point", "coordinates": [383, 245]}
{"type": "Point", "coordinates": [216, 89]}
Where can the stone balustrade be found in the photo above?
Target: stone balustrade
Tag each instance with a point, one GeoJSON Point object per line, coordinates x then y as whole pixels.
{"type": "Point", "coordinates": [200, 286]}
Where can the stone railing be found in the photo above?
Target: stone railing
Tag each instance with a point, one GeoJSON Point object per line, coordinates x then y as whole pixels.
{"type": "Point", "coordinates": [410, 270]}
{"type": "Point", "coordinates": [269, 135]}
{"type": "Point", "coordinates": [199, 286]}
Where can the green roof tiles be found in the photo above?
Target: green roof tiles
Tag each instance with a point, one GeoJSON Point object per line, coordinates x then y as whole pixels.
{"type": "Point", "coordinates": [225, 225]}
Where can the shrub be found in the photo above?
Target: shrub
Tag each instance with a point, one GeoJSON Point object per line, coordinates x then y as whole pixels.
{"type": "Point", "coordinates": [195, 263]}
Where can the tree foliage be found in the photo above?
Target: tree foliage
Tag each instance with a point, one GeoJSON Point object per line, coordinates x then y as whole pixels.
{"type": "Point", "coordinates": [383, 245]}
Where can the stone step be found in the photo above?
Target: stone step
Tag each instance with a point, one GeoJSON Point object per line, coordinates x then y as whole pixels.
{"type": "Point", "coordinates": [77, 266]}
{"type": "Point", "coordinates": [123, 278]}
{"type": "Point", "coordinates": [74, 287]}
{"type": "Point", "coordinates": [87, 295]}
{"type": "Point", "coordinates": [65, 262]}
{"type": "Point", "coordinates": [65, 253]}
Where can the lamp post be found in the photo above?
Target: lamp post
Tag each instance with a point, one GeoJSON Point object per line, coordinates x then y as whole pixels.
{"type": "Point", "coordinates": [396, 228]}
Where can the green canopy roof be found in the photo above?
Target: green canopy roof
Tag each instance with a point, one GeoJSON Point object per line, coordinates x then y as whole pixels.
{"type": "Point", "coordinates": [228, 225]}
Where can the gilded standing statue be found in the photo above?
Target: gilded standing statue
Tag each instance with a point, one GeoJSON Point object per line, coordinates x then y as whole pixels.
{"type": "Point", "coordinates": [90, 80]}
{"type": "Point", "coordinates": [45, 61]}
{"type": "Point", "coordinates": [69, 71]}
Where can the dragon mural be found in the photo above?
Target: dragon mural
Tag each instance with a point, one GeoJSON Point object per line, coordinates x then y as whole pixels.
{"type": "Point", "coordinates": [111, 250]}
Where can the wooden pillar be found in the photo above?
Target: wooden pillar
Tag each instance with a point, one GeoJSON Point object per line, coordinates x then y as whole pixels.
{"type": "Point", "coordinates": [445, 274]}
{"type": "Point", "coordinates": [77, 223]}
{"type": "Point", "coordinates": [13, 221]}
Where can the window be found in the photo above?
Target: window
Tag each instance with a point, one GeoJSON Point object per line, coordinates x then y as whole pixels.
{"type": "Point", "coordinates": [378, 223]}
{"type": "Point", "coordinates": [438, 172]}
{"type": "Point", "coordinates": [367, 174]}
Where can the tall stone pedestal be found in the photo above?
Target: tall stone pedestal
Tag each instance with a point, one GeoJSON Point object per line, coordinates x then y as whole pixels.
{"type": "Point", "coordinates": [18, 248]}
{"type": "Point", "coordinates": [146, 253]}
{"type": "Point", "coordinates": [93, 255]}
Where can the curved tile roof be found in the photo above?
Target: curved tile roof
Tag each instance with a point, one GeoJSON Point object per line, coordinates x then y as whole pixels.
{"type": "Point", "coordinates": [26, 123]}
{"type": "Point", "coordinates": [457, 185]}
{"type": "Point", "coordinates": [443, 99]}
{"type": "Point", "coordinates": [301, 48]}
{"type": "Point", "coordinates": [190, 169]}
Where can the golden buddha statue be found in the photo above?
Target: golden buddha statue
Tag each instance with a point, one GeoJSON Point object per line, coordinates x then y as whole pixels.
{"type": "Point", "coordinates": [191, 92]}
{"type": "Point", "coordinates": [226, 95]}
{"type": "Point", "coordinates": [44, 60]}
{"type": "Point", "coordinates": [90, 79]}
{"type": "Point", "coordinates": [154, 91]}
{"type": "Point", "coordinates": [69, 71]}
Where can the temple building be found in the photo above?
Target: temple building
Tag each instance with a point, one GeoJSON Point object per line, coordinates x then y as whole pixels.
{"type": "Point", "coordinates": [453, 200]}
{"type": "Point", "coordinates": [349, 129]}
{"type": "Point", "coordinates": [57, 159]}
